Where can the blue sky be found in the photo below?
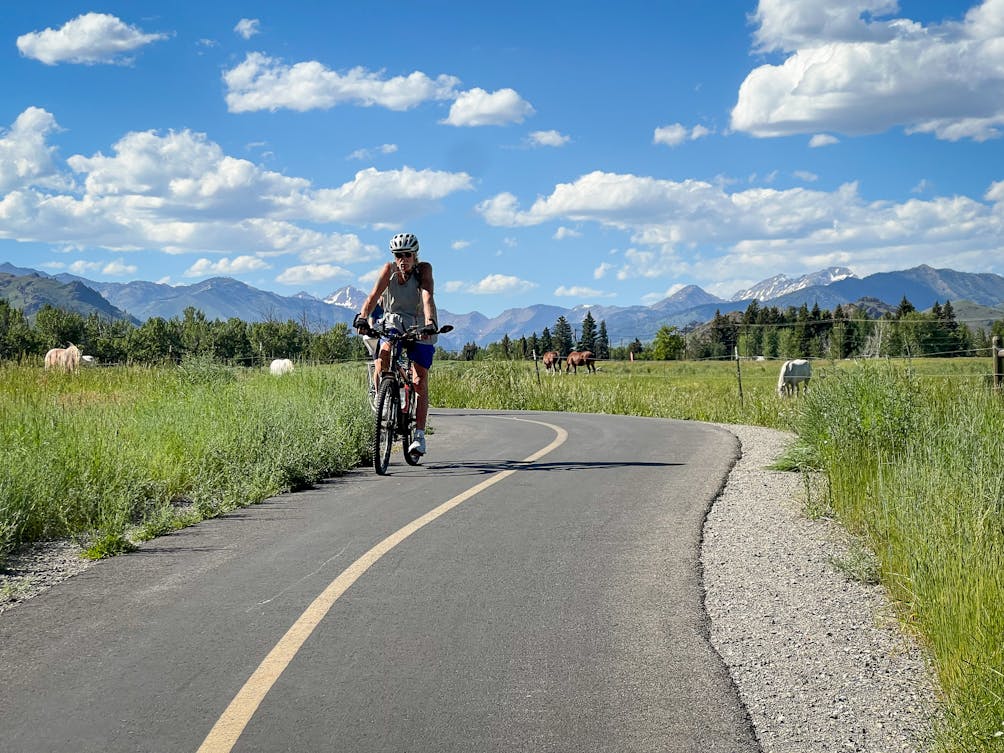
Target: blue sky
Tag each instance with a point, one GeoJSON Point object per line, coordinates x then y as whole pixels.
{"type": "Point", "coordinates": [562, 153]}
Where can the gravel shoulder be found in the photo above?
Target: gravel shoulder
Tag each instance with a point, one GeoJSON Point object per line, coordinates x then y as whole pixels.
{"type": "Point", "coordinates": [818, 658]}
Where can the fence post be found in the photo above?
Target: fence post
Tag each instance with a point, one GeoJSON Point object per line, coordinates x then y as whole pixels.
{"type": "Point", "coordinates": [998, 355]}
{"type": "Point", "coordinates": [739, 375]}
{"type": "Point", "coordinates": [536, 367]}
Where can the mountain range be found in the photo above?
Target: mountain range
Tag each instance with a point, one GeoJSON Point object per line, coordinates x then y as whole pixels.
{"type": "Point", "coordinates": [224, 297]}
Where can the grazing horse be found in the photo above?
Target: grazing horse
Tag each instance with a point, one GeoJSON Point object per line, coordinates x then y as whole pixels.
{"type": "Point", "coordinates": [281, 366]}
{"type": "Point", "coordinates": [63, 359]}
{"type": "Point", "coordinates": [580, 358]}
{"type": "Point", "coordinates": [794, 375]}
{"type": "Point", "coordinates": [552, 362]}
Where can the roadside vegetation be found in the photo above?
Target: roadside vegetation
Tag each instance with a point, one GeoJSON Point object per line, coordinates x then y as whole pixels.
{"type": "Point", "coordinates": [111, 456]}
{"type": "Point", "coordinates": [911, 453]}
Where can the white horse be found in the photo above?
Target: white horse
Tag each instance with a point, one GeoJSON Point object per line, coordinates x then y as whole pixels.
{"type": "Point", "coordinates": [794, 375]}
{"type": "Point", "coordinates": [63, 359]}
{"type": "Point", "coordinates": [281, 366]}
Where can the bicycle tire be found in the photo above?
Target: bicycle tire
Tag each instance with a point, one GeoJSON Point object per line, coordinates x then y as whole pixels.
{"type": "Point", "coordinates": [412, 460]}
{"type": "Point", "coordinates": [384, 425]}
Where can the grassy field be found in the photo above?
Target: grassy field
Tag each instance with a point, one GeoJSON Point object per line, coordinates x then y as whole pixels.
{"type": "Point", "coordinates": [912, 454]}
{"type": "Point", "coordinates": [112, 455]}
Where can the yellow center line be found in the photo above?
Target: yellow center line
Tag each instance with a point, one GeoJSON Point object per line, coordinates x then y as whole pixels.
{"type": "Point", "coordinates": [223, 736]}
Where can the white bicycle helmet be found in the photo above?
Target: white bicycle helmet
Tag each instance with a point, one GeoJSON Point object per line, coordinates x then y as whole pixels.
{"type": "Point", "coordinates": [404, 242]}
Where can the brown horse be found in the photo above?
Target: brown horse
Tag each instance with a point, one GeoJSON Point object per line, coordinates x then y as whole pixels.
{"type": "Point", "coordinates": [63, 359]}
{"type": "Point", "coordinates": [580, 358]}
{"type": "Point", "coordinates": [552, 362]}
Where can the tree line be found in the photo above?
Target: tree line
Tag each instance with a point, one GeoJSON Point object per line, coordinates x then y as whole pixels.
{"type": "Point", "coordinates": [846, 332]}
{"type": "Point", "coordinates": [160, 340]}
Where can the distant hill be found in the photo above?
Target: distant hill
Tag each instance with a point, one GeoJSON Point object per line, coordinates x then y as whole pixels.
{"type": "Point", "coordinates": [31, 292]}
{"type": "Point", "coordinates": [217, 298]}
{"type": "Point", "coordinates": [223, 297]}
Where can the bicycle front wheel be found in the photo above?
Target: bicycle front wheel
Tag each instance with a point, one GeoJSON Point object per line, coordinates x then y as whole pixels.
{"type": "Point", "coordinates": [387, 407]}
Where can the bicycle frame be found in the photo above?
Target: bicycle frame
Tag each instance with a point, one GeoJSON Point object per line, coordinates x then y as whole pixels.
{"type": "Point", "coordinates": [396, 399]}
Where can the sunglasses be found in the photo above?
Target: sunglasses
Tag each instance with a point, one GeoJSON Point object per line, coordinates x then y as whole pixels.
{"type": "Point", "coordinates": [402, 254]}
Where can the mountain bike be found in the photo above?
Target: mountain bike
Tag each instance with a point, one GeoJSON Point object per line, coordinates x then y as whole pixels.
{"type": "Point", "coordinates": [395, 400]}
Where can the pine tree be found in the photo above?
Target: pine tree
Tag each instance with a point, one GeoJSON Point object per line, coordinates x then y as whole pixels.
{"type": "Point", "coordinates": [602, 342]}
{"type": "Point", "coordinates": [587, 341]}
{"type": "Point", "coordinates": [546, 341]}
{"type": "Point", "coordinates": [563, 342]}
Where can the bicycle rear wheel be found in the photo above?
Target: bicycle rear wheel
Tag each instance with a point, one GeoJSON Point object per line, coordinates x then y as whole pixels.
{"type": "Point", "coordinates": [385, 425]}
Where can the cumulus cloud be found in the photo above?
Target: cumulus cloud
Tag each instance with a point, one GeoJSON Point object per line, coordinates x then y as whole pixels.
{"type": "Point", "coordinates": [491, 285]}
{"type": "Point", "coordinates": [822, 139]}
{"type": "Point", "coordinates": [237, 265]}
{"type": "Point", "coordinates": [25, 158]}
{"type": "Point", "coordinates": [566, 232]}
{"type": "Point", "coordinates": [90, 38]}
{"type": "Point", "coordinates": [601, 271]}
{"type": "Point", "coordinates": [248, 27]}
{"type": "Point", "coordinates": [676, 133]}
{"type": "Point", "coordinates": [364, 154]}
{"type": "Point", "coordinates": [477, 107]}
{"type": "Point", "coordinates": [179, 192]}
{"type": "Point", "coordinates": [264, 83]}
{"type": "Point", "coordinates": [576, 291]}
{"type": "Point", "coordinates": [548, 138]}
{"type": "Point", "coordinates": [849, 70]}
{"type": "Point", "coordinates": [305, 274]}
{"type": "Point", "coordinates": [697, 229]}
{"type": "Point", "coordinates": [459, 245]}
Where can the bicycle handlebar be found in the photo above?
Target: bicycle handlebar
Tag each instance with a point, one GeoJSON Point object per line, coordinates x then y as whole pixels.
{"type": "Point", "coordinates": [394, 334]}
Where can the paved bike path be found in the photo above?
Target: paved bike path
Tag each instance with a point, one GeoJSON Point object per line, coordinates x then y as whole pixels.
{"type": "Point", "coordinates": [558, 609]}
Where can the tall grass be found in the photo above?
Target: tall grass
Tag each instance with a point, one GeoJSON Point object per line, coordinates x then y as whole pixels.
{"type": "Point", "coordinates": [916, 467]}
{"type": "Point", "coordinates": [101, 452]}
{"type": "Point", "coordinates": [707, 391]}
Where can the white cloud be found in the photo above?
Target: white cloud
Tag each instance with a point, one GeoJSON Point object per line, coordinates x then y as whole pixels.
{"type": "Point", "coordinates": [808, 177]}
{"type": "Point", "coordinates": [477, 107]}
{"type": "Point", "coordinates": [25, 157]}
{"type": "Point", "coordinates": [601, 271]}
{"type": "Point", "coordinates": [310, 273]}
{"type": "Point", "coordinates": [491, 285]}
{"type": "Point", "coordinates": [676, 133]}
{"type": "Point", "coordinates": [700, 230]}
{"type": "Point", "coordinates": [180, 193]}
{"type": "Point", "coordinates": [385, 199]}
{"type": "Point", "coordinates": [822, 139]}
{"type": "Point", "coordinates": [119, 268]}
{"type": "Point", "coordinates": [248, 27]}
{"type": "Point", "coordinates": [89, 38]}
{"type": "Point", "coordinates": [225, 266]}
{"type": "Point", "coordinates": [850, 71]}
{"type": "Point", "coordinates": [459, 245]}
{"type": "Point", "coordinates": [670, 135]}
{"type": "Point", "coordinates": [364, 154]}
{"type": "Point", "coordinates": [564, 232]}
{"type": "Point", "coordinates": [264, 83]}
{"type": "Point", "coordinates": [577, 291]}
{"type": "Point", "coordinates": [548, 138]}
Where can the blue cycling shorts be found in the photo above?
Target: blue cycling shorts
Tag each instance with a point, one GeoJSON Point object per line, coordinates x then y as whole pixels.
{"type": "Point", "coordinates": [421, 353]}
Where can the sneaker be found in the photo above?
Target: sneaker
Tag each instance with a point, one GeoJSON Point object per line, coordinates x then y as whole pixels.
{"type": "Point", "coordinates": [417, 447]}
{"type": "Point", "coordinates": [373, 398]}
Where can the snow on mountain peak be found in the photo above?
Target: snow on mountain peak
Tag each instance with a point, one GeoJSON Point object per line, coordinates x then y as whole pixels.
{"type": "Point", "coordinates": [779, 285]}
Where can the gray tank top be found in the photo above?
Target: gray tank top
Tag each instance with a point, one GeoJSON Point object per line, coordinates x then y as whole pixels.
{"type": "Point", "coordinates": [405, 301]}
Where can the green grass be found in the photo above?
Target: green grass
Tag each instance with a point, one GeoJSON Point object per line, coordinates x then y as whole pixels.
{"type": "Point", "coordinates": [109, 455]}
{"type": "Point", "coordinates": [912, 456]}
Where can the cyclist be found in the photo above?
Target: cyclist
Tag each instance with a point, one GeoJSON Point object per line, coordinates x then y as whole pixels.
{"type": "Point", "coordinates": [405, 293]}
